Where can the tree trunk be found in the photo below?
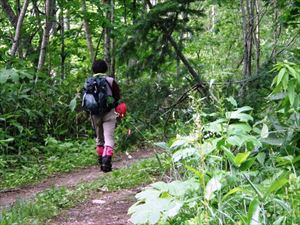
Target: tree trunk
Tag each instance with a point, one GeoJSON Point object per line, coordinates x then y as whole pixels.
{"type": "Point", "coordinates": [277, 30]}
{"type": "Point", "coordinates": [113, 43]}
{"type": "Point", "coordinates": [107, 35]}
{"type": "Point", "coordinates": [213, 18]}
{"type": "Point", "coordinates": [49, 13]}
{"type": "Point", "coordinates": [257, 35]}
{"type": "Point", "coordinates": [248, 30]}
{"type": "Point", "coordinates": [13, 19]}
{"type": "Point", "coordinates": [250, 34]}
{"type": "Point", "coordinates": [18, 29]}
{"type": "Point", "coordinates": [87, 31]}
{"type": "Point", "coordinates": [203, 87]}
{"type": "Point", "coordinates": [62, 42]}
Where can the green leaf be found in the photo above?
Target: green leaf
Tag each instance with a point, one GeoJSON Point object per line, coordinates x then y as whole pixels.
{"type": "Point", "coordinates": [253, 212]}
{"type": "Point", "coordinates": [244, 109]}
{"type": "Point", "coordinates": [232, 191]}
{"type": "Point", "coordinates": [178, 143]}
{"type": "Point", "coordinates": [4, 75]}
{"type": "Point", "coordinates": [195, 172]}
{"type": "Point", "coordinates": [184, 153]}
{"type": "Point", "coordinates": [292, 71]}
{"type": "Point", "coordinates": [212, 186]}
{"type": "Point", "coordinates": [7, 140]}
{"type": "Point", "coordinates": [162, 145]}
{"type": "Point", "coordinates": [277, 96]}
{"type": "Point", "coordinates": [280, 75]}
{"type": "Point", "coordinates": [291, 92]}
{"type": "Point", "coordinates": [285, 81]}
{"type": "Point", "coordinates": [277, 184]}
{"type": "Point", "coordinates": [14, 75]}
{"type": "Point", "coordinates": [243, 117]}
{"type": "Point", "coordinates": [273, 141]}
{"type": "Point", "coordinates": [229, 155]}
{"type": "Point", "coordinates": [264, 131]}
{"type": "Point", "coordinates": [240, 158]}
{"type": "Point", "coordinates": [235, 140]}
{"type": "Point", "coordinates": [261, 157]}
{"type": "Point", "coordinates": [73, 103]}
{"type": "Point", "coordinates": [258, 192]}
{"type": "Point", "coordinates": [232, 101]}
{"type": "Point", "coordinates": [239, 128]}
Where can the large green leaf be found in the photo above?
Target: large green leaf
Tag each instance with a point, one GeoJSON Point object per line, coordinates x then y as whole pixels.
{"type": "Point", "coordinates": [4, 75]}
{"type": "Point", "coordinates": [232, 101]}
{"type": "Point", "coordinates": [264, 131]}
{"type": "Point", "coordinates": [73, 103]}
{"type": "Point", "coordinates": [240, 158]}
{"type": "Point", "coordinates": [253, 212]}
{"type": "Point", "coordinates": [184, 153]}
{"type": "Point", "coordinates": [291, 91]}
{"type": "Point", "coordinates": [277, 184]}
{"type": "Point", "coordinates": [212, 186]}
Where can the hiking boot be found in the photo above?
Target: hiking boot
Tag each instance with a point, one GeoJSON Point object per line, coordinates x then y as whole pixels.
{"type": "Point", "coordinates": [100, 160]}
{"type": "Point", "coordinates": [99, 150]}
{"type": "Point", "coordinates": [106, 164]}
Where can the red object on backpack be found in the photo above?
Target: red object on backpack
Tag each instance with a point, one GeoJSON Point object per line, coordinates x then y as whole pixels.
{"type": "Point", "coordinates": [121, 109]}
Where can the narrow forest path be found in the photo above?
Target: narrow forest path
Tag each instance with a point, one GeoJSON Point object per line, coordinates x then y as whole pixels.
{"type": "Point", "coordinates": [10, 196]}
{"type": "Point", "coordinates": [102, 209]}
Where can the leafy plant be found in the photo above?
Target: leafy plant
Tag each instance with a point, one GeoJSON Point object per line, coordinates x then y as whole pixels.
{"type": "Point", "coordinates": [240, 175]}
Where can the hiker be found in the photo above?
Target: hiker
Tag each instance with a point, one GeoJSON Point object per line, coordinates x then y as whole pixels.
{"type": "Point", "coordinates": [101, 98]}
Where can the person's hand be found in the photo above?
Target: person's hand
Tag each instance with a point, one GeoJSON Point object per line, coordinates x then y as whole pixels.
{"type": "Point", "coordinates": [121, 110]}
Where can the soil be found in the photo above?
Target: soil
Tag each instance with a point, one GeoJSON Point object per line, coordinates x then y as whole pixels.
{"type": "Point", "coordinates": [104, 209]}
{"type": "Point", "coordinates": [10, 196]}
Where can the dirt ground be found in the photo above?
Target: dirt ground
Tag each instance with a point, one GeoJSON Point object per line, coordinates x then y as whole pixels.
{"type": "Point", "coordinates": [9, 197]}
{"type": "Point", "coordinates": [103, 209]}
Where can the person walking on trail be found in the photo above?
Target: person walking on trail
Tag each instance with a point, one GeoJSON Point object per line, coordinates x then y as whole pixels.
{"type": "Point", "coordinates": [102, 100]}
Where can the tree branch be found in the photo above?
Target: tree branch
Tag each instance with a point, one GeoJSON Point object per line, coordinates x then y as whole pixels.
{"type": "Point", "coordinates": [9, 12]}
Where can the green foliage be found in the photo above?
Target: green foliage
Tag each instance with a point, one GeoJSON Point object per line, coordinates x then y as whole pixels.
{"type": "Point", "coordinates": [54, 157]}
{"type": "Point", "coordinates": [33, 108]}
{"type": "Point", "coordinates": [239, 176]}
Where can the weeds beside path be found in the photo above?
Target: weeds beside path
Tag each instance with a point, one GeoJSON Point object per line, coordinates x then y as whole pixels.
{"type": "Point", "coordinates": [10, 196]}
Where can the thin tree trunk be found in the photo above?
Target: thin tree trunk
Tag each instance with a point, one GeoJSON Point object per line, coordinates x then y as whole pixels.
{"type": "Point", "coordinates": [62, 41]}
{"type": "Point", "coordinates": [213, 18]}
{"type": "Point", "coordinates": [46, 34]}
{"type": "Point", "coordinates": [87, 31]}
{"type": "Point", "coordinates": [113, 57]}
{"type": "Point", "coordinates": [248, 30]}
{"type": "Point", "coordinates": [107, 41]}
{"type": "Point", "coordinates": [13, 19]}
{"type": "Point", "coordinates": [277, 30]}
{"type": "Point", "coordinates": [18, 29]}
{"type": "Point", "coordinates": [250, 34]}
{"type": "Point", "coordinates": [183, 59]}
{"type": "Point", "coordinates": [244, 24]}
{"type": "Point", "coordinates": [257, 35]}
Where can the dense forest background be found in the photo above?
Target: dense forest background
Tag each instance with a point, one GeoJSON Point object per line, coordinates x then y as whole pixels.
{"type": "Point", "coordinates": [212, 73]}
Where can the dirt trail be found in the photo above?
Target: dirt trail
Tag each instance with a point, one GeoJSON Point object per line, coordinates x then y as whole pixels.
{"type": "Point", "coordinates": [8, 197]}
{"type": "Point", "coordinates": [103, 209]}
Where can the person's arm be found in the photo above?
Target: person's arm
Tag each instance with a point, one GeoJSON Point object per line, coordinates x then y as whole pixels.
{"type": "Point", "coordinates": [116, 91]}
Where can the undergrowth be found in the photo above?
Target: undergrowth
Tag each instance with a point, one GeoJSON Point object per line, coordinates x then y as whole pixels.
{"type": "Point", "coordinates": [57, 157]}
{"type": "Point", "coordinates": [50, 203]}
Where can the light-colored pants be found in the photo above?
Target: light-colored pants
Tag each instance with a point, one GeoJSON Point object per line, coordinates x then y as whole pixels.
{"type": "Point", "coordinates": [105, 128]}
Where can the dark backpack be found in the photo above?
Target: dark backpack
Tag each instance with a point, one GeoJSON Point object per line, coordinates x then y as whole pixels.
{"type": "Point", "coordinates": [95, 99]}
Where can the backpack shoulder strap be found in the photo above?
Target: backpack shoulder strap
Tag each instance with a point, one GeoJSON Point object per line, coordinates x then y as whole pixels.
{"type": "Point", "coordinates": [108, 84]}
